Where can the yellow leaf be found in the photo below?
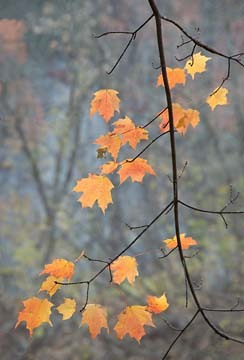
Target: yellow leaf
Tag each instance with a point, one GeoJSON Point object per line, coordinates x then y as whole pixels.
{"type": "Point", "coordinates": [110, 142]}
{"type": "Point", "coordinates": [175, 76]}
{"type": "Point", "coordinates": [95, 188]}
{"type": "Point", "coordinates": [185, 242]}
{"type": "Point", "coordinates": [218, 97]}
{"type": "Point", "coordinates": [136, 169]}
{"type": "Point", "coordinates": [125, 267]}
{"type": "Point", "coordinates": [157, 304]}
{"type": "Point", "coordinates": [67, 309]}
{"type": "Point", "coordinates": [129, 132]}
{"type": "Point", "coordinates": [132, 320]}
{"type": "Point", "coordinates": [197, 64]}
{"type": "Point", "coordinates": [60, 268]}
{"type": "Point", "coordinates": [36, 312]}
{"type": "Point", "coordinates": [105, 102]}
{"type": "Point", "coordinates": [49, 285]}
{"type": "Point", "coordinates": [95, 316]}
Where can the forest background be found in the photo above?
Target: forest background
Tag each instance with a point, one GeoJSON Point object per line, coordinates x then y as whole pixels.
{"type": "Point", "coordinates": [50, 67]}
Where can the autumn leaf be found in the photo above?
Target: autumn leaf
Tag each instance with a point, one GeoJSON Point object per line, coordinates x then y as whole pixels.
{"type": "Point", "coordinates": [50, 286]}
{"type": "Point", "coordinates": [175, 76]}
{"type": "Point", "coordinates": [109, 167]}
{"type": "Point", "coordinates": [95, 188]}
{"type": "Point", "coordinates": [185, 242]}
{"type": "Point", "coordinates": [182, 119]}
{"type": "Point", "coordinates": [105, 102]}
{"type": "Point", "coordinates": [125, 267]}
{"type": "Point", "coordinates": [157, 304]}
{"type": "Point", "coordinates": [110, 142]}
{"type": "Point", "coordinates": [67, 309]}
{"type": "Point", "coordinates": [197, 64]}
{"type": "Point", "coordinates": [135, 169]}
{"type": "Point", "coordinates": [132, 321]}
{"type": "Point", "coordinates": [59, 268]}
{"type": "Point", "coordinates": [36, 312]}
{"type": "Point", "coordinates": [95, 316]}
{"type": "Point", "coordinates": [129, 132]}
{"type": "Point", "coordinates": [218, 97]}
{"type": "Point", "coordinates": [102, 152]}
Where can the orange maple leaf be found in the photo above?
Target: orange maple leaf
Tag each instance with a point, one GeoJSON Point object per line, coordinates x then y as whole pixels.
{"type": "Point", "coordinates": [109, 167]}
{"type": "Point", "coordinates": [105, 102]}
{"type": "Point", "coordinates": [197, 64]}
{"type": "Point", "coordinates": [125, 267]}
{"type": "Point", "coordinates": [182, 119]}
{"type": "Point", "coordinates": [129, 132]}
{"type": "Point", "coordinates": [95, 316]}
{"type": "Point", "coordinates": [157, 304]}
{"type": "Point", "coordinates": [36, 312]}
{"type": "Point", "coordinates": [59, 268]}
{"type": "Point", "coordinates": [95, 187]}
{"type": "Point", "coordinates": [186, 242]}
{"type": "Point", "coordinates": [50, 286]}
{"type": "Point", "coordinates": [110, 142]}
{"type": "Point", "coordinates": [67, 309]}
{"type": "Point", "coordinates": [135, 169]}
{"type": "Point", "coordinates": [132, 320]}
{"type": "Point", "coordinates": [218, 97]}
{"type": "Point", "coordinates": [175, 76]}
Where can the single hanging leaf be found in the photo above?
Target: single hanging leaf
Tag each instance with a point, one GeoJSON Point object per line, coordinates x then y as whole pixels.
{"type": "Point", "coordinates": [196, 64]}
{"type": "Point", "coordinates": [67, 309]}
{"type": "Point", "coordinates": [110, 142]}
{"type": "Point", "coordinates": [95, 188]}
{"type": "Point", "coordinates": [50, 286]}
{"type": "Point", "coordinates": [136, 169]}
{"type": "Point", "coordinates": [157, 304]}
{"type": "Point", "coordinates": [125, 267]}
{"type": "Point", "coordinates": [185, 242]}
{"type": "Point", "coordinates": [95, 316]}
{"type": "Point", "coordinates": [175, 76]}
{"type": "Point", "coordinates": [218, 97]}
{"type": "Point", "coordinates": [36, 312]}
{"type": "Point", "coordinates": [109, 167]}
{"type": "Point", "coordinates": [132, 321]}
{"type": "Point", "coordinates": [59, 268]}
{"type": "Point", "coordinates": [105, 102]}
{"type": "Point", "coordinates": [129, 132]}
{"type": "Point", "coordinates": [182, 119]}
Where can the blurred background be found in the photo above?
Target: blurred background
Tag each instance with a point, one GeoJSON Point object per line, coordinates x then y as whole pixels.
{"type": "Point", "coordinates": [50, 65]}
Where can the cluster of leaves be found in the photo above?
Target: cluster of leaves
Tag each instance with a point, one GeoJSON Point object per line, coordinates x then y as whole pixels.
{"type": "Point", "coordinates": [97, 187]}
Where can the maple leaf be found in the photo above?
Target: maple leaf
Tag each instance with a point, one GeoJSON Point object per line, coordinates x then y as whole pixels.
{"type": "Point", "coordinates": [109, 167]}
{"type": "Point", "coordinates": [95, 187]}
{"type": "Point", "coordinates": [218, 97]}
{"type": "Point", "coordinates": [135, 169]}
{"type": "Point", "coordinates": [110, 142]}
{"type": "Point", "coordinates": [67, 309]}
{"type": "Point", "coordinates": [59, 268]}
{"type": "Point", "coordinates": [129, 132]}
{"type": "Point", "coordinates": [36, 312]}
{"type": "Point", "coordinates": [125, 267]}
{"type": "Point", "coordinates": [197, 64]}
{"type": "Point", "coordinates": [182, 119]}
{"type": "Point", "coordinates": [50, 286]}
{"type": "Point", "coordinates": [132, 320]}
{"type": "Point", "coordinates": [95, 316]}
{"type": "Point", "coordinates": [105, 102]}
{"type": "Point", "coordinates": [186, 242]}
{"type": "Point", "coordinates": [175, 76]}
{"type": "Point", "coordinates": [157, 304]}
